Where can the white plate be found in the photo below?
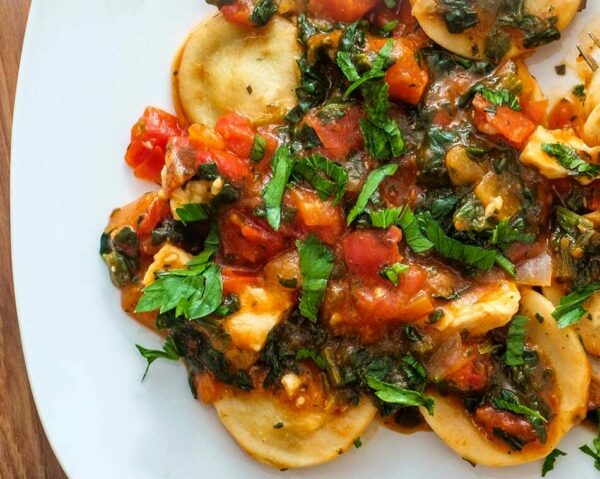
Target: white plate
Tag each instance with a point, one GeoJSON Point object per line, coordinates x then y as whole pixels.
{"type": "Point", "coordinates": [88, 70]}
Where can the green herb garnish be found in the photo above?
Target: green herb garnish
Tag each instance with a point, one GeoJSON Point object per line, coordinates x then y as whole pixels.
{"type": "Point", "coordinates": [373, 181]}
{"type": "Point", "coordinates": [273, 192]}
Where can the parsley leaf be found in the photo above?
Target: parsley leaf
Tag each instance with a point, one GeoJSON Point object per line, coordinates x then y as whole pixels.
{"type": "Point", "coordinates": [319, 360]}
{"type": "Point", "coordinates": [169, 351]}
{"type": "Point", "coordinates": [262, 12]}
{"type": "Point", "coordinates": [595, 452]}
{"type": "Point", "coordinates": [508, 401]}
{"type": "Point", "coordinates": [191, 212]}
{"type": "Point", "coordinates": [551, 460]}
{"type": "Point", "coordinates": [412, 232]}
{"type": "Point", "coordinates": [310, 167]}
{"type": "Point", "coordinates": [386, 217]}
{"type": "Point", "coordinates": [570, 159]}
{"type": "Point", "coordinates": [394, 272]}
{"type": "Point", "coordinates": [316, 264]}
{"type": "Point", "coordinates": [515, 341]}
{"type": "Point", "coordinates": [373, 181]}
{"type": "Point", "coordinates": [259, 146]}
{"type": "Point", "coordinates": [392, 394]}
{"type": "Point", "coordinates": [571, 309]}
{"type": "Point", "coordinates": [579, 90]}
{"type": "Point", "coordinates": [482, 258]}
{"type": "Point", "coordinates": [275, 188]}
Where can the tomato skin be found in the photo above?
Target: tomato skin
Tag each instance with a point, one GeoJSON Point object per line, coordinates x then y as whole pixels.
{"type": "Point", "coordinates": [489, 419]}
{"type": "Point", "coordinates": [149, 138]}
{"type": "Point", "coordinates": [511, 124]}
{"type": "Point", "coordinates": [247, 240]}
{"type": "Point", "coordinates": [341, 10]}
{"type": "Point", "coordinates": [238, 133]}
{"type": "Point", "coordinates": [562, 115]}
{"type": "Point", "coordinates": [238, 12]}
{"type": "Point", "coordinates": [317, 216]}
{"type": "Point", "coordinates": [339, 137]}
{"type": "Point", "coordinates": [367, 251]}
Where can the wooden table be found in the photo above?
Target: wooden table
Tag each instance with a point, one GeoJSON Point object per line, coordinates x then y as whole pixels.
{"type": "Point", "coordinates": [24, 449]}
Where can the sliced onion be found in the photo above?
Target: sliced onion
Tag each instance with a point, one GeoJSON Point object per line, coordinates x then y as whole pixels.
{"type": "Point", "coordinates": [536, 271]}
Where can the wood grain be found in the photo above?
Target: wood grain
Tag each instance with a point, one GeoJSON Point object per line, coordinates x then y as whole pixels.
{"type": "Point", "coordinates": [24, 449]}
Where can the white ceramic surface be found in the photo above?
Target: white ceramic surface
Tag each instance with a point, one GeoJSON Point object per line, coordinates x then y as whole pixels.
{"type": "Point", "coordinates": [88, 70]}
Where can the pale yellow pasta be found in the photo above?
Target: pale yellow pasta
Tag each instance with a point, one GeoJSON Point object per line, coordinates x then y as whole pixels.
{"type": "Point", "coordinates": [564, 353]}
{"type": "Point", "coordinates": [168, 257]}
{"type": "Point", "coordinates": [224, 68]}
{"type": "Point", "coordinates": [302, 437]}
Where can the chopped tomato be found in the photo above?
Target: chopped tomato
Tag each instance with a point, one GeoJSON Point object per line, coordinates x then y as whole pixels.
{"type": "Point", "coordinates": [340, 136]}
{"type": "Point", "coordinates": [489, 419]}
{"type": "Point", "coordinates": [367, 251]}
{"type": "Point", "coordinates": [158, 210]}
{"type": "Point", "coordinates": [511, 124]}
{"type": "Point", "coordinates": [341, 10]}
{"type": "Point", "coordinates": [234, 280]}
{"type": "Point", "coordinates": [594, 203]}
{"type": "Point", "coordinates": [247, 239]}
{"type": "Point", "coordinates": [562, 115]}
{"type": "Point", "coordinates": [208, 388]}
{"type": "Point", "coordinates": [205, 137]}
{"type": "Point", "coordinates": [238, 133]}
{"type": "Point", "coordinates": [149, 138]}
{"type": "Point", "coordinates": [323, 218]}
{"type": "Point", "coordinates": [536, 110]}
{"type": "Point", "coordinates": [473, 375]}
{"type": "Point", "coordinates": [238, 12]}
{"type": "Point", "coordinates": [230, 166]}
{"type": "Point", "coordinates": [386, 303]}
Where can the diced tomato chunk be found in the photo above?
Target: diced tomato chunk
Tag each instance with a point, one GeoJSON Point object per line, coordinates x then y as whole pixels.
{"type": "Point", "coordinates": [341, 10]}
{"type": "Point", "coordinates": [159, 209]}
{"type": "Point", "coordinates": [238, 12]}
{"type": "Point", "coordinates": [340, 136]}
{"type": "Point", "coordinates": [229, 165]}
{"type": "Point", "coordinates": [511, 124]}
{"type": "Point", "coordinates": [386, 303]}
{"type": "Point", "coordinates": [367, 251]}
{"type": "Point", "coordinates": [488, 418]}
{"type": "Point", "coordinates": [247, 239]}
{"type": "Point", "coordinates": [320, 217]}
{"type": "Point", "coordinates": [562, 115]}
{"type": "Point", "coordinates": [149, 138]}
{"type": "Point", "coordinates": [238, 133]}
{"type": "Point", "coordinates": [536, 110]}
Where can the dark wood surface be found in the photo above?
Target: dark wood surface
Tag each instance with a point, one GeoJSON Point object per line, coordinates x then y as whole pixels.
{"type": "Point", "coordinates": [24, 449]}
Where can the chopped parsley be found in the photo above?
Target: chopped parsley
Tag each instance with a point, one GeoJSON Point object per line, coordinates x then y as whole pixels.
{"type": "Point", "coordinates": [593, 450]}
{"type": "Point", "coordinates": [275, 188]}
{"type": "Point", "coordinates": [551, 460]}
{"type": "Point", "coordinates": [579, 91]}
{"type": "Point", "coordinates": [392, 394]}
{"type": "Point", "coordinates": [259, 147]}
{"type": "Point", "coordinates": [191, 212]}
{"type": "Point", "coordinates": [336, 179]}
{"type": "Point", "coordinates": [393, 272]}
{"type": "Point", "coordinates": [570, 159]}
{"type": "Point", "coordinates": [169, 352]}
{"type": "Point", "coordinates": [371, 185]}
{"type": "Point", "coordinates": [305, 353]}
{"type": "Point", "coordinates": [571, 308]}
{"type": "Point", "coordinates": [515, 341]}
{"type": "Point", "coordinates": [316, 264]}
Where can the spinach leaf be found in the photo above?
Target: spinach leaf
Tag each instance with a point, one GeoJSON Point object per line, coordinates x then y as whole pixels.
{"type": "Point", "coordinates": [273, 192]}
{"type": "Point", "coordinates": [515, 341]}
{"type": "Point", "coordinates": [505, 234]}
{"type": "Point", "coordinates": [305, 353]}
{"type": "Point", "coordinates": [392, 394]}
{"type": "Point", "coordinates": [508, 401]}
{"type": "Point", "coordinates": [262, 12]}
{"type": "Point", "coordinates": [316, 264]}
{"type": "Point", "coordinates": [371, 185]}
{"type": "Point", "coordinates": [459, 15]}
{"type": "Point", "coordinates": [169, 352]}
{"type": "Point", "coordinates": [570, 159]}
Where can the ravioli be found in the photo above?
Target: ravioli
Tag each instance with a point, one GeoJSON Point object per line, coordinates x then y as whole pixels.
{"type": "Point", "coordinates": [564, 353]}
{"type": "Point", "coordinates": [283, 436]}
{"type": "Point", "coordinates": [471, 42]}
{"type": "Point", "coordinates": [224, 68]}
